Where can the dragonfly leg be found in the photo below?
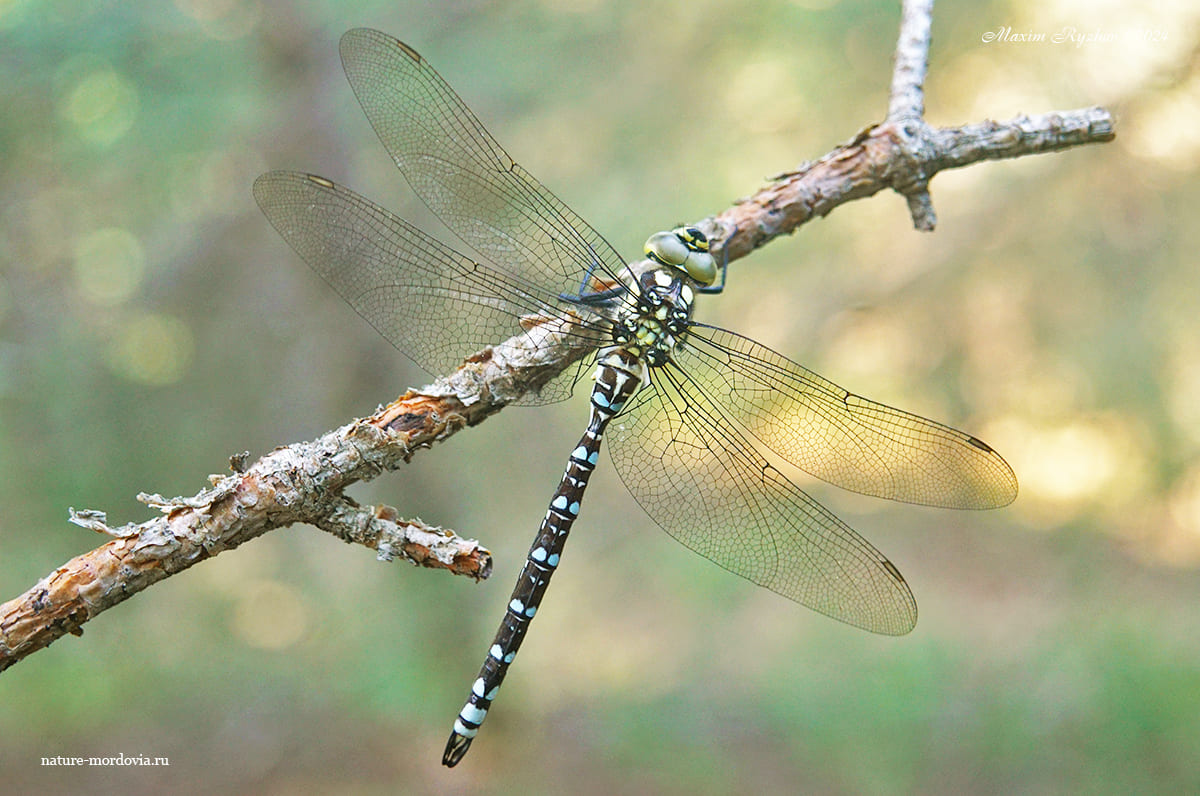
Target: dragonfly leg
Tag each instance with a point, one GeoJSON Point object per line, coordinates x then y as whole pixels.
{"type": "Point", "coordinates": [592, 298]}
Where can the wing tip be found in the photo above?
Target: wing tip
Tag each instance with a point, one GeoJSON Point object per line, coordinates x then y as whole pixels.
{"type": "Point", "coordinates": [355, 35]}
{"type": "Point", "coordinates": [902, 618]}
{"type": "Point", "coordinates": [1007, 489]}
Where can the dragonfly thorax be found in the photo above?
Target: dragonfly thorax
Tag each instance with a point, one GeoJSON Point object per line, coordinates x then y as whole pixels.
{"type": "Point", "coordinates": [653, 329]}
{"type": "Point", "coordinates": [655, 326]}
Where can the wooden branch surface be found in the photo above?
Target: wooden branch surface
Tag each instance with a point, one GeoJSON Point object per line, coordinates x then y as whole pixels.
{"type": "Point", "coordinates": [296, 483]}
{"type": "Point", "coordinates": [907, 95]}
{"type": "Point", "coordinates": [304, 482]}
{"type": "Point", "coordinates": [902, 157]}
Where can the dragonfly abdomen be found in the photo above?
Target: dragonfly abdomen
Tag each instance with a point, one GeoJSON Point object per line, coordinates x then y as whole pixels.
{"type": "Point", "coordinates": [618, 377]}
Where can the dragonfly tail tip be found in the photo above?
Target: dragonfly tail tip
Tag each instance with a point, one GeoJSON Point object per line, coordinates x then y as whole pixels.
{"type": "Point", "coordinates": [456, 747]}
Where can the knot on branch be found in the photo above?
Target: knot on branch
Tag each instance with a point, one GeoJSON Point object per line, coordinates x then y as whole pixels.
{"type": "Point", "coordinates": [910, 152]}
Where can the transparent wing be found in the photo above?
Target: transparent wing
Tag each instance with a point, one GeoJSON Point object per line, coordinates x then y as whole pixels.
{"type": "Point", "coordinates": [841, 437]}
{"type": "Point", "coordinates": [434, 304]}
{"type": "Point", "coordinates": [463, 175]}
{"type": "Point", "coordinates": [707, 487]}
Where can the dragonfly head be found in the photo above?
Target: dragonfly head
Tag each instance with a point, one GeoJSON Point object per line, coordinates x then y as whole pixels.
{"type": "Point", "coordinates": [685, 248]}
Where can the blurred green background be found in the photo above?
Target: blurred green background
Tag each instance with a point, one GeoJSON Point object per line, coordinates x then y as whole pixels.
{"type": "Point", "coordinates": [152, 323]}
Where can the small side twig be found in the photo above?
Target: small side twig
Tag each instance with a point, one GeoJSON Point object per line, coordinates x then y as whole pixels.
{"type": "Point", "coordinates": [379, 528]}
{"type": "Point", "coordinates": [906, 100]}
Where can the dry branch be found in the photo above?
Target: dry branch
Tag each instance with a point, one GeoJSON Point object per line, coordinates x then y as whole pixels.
{"type": "Point", "coordinates": [902, 157]}
{"type": "Point", "coordinates": [305, 482]}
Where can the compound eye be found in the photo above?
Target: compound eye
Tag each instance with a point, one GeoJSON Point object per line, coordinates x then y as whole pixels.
{"type": "Point", "coordinates": [667, 248]}
{"type": "Point", "coordinates": [685, 248]}
{"type": "Point", "coordinates": [702, 267]}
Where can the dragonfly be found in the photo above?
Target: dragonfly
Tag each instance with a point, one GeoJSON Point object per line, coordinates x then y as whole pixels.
{"type": "Point", "coordinates": [698, 418]}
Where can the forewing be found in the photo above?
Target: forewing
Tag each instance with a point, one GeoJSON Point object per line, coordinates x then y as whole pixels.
{"type": "Point", "coordinates": [463, 175]}
{"type": "Point", "coordinates": [841, 437]}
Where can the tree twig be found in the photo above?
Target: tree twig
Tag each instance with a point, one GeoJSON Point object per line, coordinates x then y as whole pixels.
{"type": "Point", "coordinates": [305, 482]}
{"type": "Point", "coordinates": [907, 96]}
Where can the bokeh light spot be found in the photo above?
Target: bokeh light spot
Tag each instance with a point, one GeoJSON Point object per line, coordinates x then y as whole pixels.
{"type": "Point", "coordinates": [109, 265]}
{"type": "Point", "coordinates": [101, 106]}
{"type": "Point", "coordinates": [151, 349]}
